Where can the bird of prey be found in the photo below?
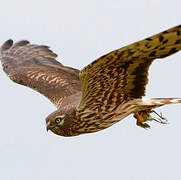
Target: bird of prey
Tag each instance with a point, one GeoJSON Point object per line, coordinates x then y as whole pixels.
{"type": "Point", "coordinates": [101, 94]}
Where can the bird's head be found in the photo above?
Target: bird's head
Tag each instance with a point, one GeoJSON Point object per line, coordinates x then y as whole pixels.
{"type": "Point", "coordinates": [60, 122]}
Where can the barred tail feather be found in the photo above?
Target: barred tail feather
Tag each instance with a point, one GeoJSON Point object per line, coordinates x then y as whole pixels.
{"type": "Point", "coordinates": [160, 101]}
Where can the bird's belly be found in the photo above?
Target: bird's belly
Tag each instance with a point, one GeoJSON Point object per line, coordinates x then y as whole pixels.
{"type": "Point", "coordinates": [120, 113]}
{"type": "Point", "coordinates": [93, 121]}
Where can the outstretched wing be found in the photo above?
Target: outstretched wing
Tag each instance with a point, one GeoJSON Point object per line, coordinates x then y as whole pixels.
{"type": "Point", "coordinates": [35, 66]}
{"type": "Point", "coordinates": [122, 74]}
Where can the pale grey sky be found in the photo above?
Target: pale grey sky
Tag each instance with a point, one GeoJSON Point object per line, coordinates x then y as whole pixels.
{"type": "Point", "coordinates": [81, 31]}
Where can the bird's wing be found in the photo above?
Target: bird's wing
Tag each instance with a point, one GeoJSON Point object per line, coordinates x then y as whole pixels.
{"type": "Point", "coordinates": [35, 66]}
{"type": "Point", "coordinates": [122, 75]}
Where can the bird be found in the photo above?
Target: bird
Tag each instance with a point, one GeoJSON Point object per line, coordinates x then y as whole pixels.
{"type": "Point", "coordinates": [102, 93]}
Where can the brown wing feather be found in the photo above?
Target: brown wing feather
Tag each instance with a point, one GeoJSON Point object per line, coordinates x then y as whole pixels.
{"type": "Point", "coordinates": [35, 66]}
{"type": "Point", "coordinates": [123, 73]}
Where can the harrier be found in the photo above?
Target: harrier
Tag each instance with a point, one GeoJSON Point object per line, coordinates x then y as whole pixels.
{"type": "Point", "coordinates": [100, 95]}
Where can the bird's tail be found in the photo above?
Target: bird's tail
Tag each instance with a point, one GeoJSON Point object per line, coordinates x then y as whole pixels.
{"type": "Point", "coordinates": [146, 107]}
{"type": "Point", "coordinates": [160, 101]}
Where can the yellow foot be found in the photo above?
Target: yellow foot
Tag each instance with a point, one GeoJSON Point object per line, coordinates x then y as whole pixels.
{"type": "Point", "coordinates": [143, 125]}
{"type": "Point", "coordinates": [141, 117]}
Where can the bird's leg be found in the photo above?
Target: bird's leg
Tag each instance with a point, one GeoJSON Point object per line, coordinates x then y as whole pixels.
{"type": "Point", "coordinates": [140, 116]}
{"type": "Point", "coordinates": [143, 116]}
{"type": "Point", "coordinates": [161, 119]}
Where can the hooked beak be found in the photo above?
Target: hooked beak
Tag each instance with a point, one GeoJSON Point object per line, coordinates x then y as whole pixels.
{"type": "Point", "coordinates": [49, 126]}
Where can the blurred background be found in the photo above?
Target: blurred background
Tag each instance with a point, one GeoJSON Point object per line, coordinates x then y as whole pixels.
{"type": "Point", "coordinates": [79, 32]}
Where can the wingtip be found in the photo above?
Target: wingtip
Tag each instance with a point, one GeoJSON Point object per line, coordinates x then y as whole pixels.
{"type": "Point", "coordinates": [6, 45]}
{"type": "Point", "coordinates": [21, 43]}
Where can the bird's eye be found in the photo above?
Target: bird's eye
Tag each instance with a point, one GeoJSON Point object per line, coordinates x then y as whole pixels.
{"type": "Point", "coordinates": [58, 120]}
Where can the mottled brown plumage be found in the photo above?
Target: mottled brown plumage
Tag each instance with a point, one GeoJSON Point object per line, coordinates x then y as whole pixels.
{"type": "Point", "coordinates": [103, 93]}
